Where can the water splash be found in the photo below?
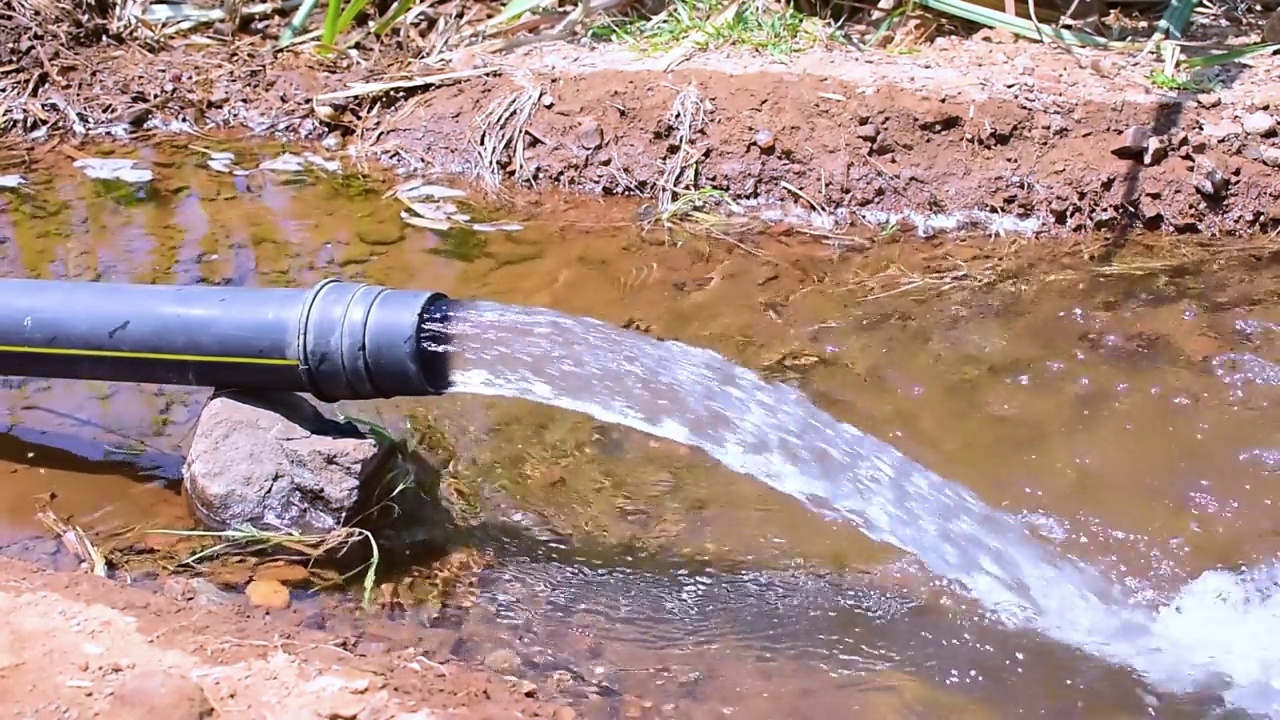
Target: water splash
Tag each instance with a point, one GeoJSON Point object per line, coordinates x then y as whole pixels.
{"type": "Point", "coordinates": [1205, 638]}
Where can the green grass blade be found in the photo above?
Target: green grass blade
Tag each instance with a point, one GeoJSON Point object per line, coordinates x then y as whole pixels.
{"type": "Point", "coordinates": [331, 16]}
{"type": "Point", "coordinates": [1017, 26]}
{"type": "Point", "coordinates": [298, 22]}
{"type": "Point", "coordinates": [513, 10]}
{"type": "Point", "coordinates": [349, 14]}
{"type": "Point", "coordinates": [1175, 21]}
{"type": "Point", "coordinates": [401, 8]}
{"type": "Point", "coordinates": [1230, 56]}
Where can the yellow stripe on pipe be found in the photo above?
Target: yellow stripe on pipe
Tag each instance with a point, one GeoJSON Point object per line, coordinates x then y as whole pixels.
{"type": "Point", "coordinates": [145, 356]}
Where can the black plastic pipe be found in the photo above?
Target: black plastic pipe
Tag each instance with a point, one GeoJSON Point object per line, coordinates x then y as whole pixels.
{"type": "Point", "coordinates": [337, 341]}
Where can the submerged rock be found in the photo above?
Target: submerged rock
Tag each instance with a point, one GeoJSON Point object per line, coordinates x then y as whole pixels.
{"type": "Point", "coordinates": [274, 463]}
{"type": "Point", "coordinates": [268, 594]}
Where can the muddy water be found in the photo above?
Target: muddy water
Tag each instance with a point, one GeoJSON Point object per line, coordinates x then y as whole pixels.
{"type": "Point", "coordinates": [1118, 412]}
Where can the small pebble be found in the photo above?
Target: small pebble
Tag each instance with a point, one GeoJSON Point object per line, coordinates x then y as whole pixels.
{"type": "Point", "coordinates": [268, 594]}
{"type": "Point", "coordinates": [590, 135]}
{"type": "Point", "coordinates": [503, 661]}
{"type": "Point", "coordinates": [1209, 100]}
{"type": "Point", "coordinates": [868, 132]}
{"type": "Point", "coordinates": [763, 139]}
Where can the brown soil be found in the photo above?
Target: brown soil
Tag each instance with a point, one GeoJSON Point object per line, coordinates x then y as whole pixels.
{"type": "Point", "coordinates": [77, 645]}
{"type": "Point", "coordinates": [984, 125]}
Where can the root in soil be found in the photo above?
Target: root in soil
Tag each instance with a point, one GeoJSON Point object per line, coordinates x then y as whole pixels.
{"type": "Point", "coordinates": [686, 119]}
{"type": "Point", "coordinates": [500, 132]}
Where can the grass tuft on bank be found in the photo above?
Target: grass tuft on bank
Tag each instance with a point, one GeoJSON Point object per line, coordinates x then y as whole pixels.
{"type": "Point", "coordinates": [405, 47]}
{"type": "Point", "coordinates": [778, 27]}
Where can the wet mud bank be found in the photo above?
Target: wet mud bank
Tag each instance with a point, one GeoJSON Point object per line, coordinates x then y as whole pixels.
{"type": "Point", "coordinates": [969, 134]}
{"type": "Point", "coordinates": [1006, 139]}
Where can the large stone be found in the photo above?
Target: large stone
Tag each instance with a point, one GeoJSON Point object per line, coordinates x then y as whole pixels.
{"type": "Point", "coordinates": [149, 693]}
{"type": "Point", "coordinates": [274, 462]}
{"type": "Point", "coordinates": [1259, 123]}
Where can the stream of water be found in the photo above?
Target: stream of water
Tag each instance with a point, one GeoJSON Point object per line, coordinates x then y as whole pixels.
{"type": "Point", "coordinates": [1205, 638]}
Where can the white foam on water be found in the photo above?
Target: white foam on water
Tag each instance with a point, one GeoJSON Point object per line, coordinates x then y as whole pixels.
{"type": "Point", "coordinates": [1216, 634]}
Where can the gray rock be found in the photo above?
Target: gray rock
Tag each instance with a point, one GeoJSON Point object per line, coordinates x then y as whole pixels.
{"type": "Point", "coordinates": [1270, 157]}
{"type": "Point", "coordinates": [502, 661]}
{"type": "Point", "coordinates": [206, 594]}
{"type": "Point", "coordinates": [1133, 143]}
{"type": "Point", "coordinates": [1259, 123]}
{"type": "Point", "coordinates": [1266, 97]}
{"type": "Point", "coordinates": [274, 462]}
{"type": "Point", "coordinates": [1220, 130]}
{"type": "Point", "coordinates": [1157, 150]}
{"type": "Point", "coordinates": [868, 132]}
{"type": "Point", "coordinates": [1209, 100]}
{"type": "Point", "coordinates": [590, 134]}
{"type": "Point", "coordinates": [1209, 180]}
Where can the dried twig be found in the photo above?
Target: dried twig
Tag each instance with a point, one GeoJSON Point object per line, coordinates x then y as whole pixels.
{"type": "Point", "coordinates": [501, 129]}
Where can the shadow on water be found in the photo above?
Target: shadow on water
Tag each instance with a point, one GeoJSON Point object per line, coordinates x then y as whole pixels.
{"type": "Point", "coordinates": [1060, 403]}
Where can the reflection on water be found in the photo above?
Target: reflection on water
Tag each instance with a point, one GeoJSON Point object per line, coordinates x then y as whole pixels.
{"type": "Point", "coordinates": [1124, 420]}
{"type": "Point", "coordinates": [734, 626]}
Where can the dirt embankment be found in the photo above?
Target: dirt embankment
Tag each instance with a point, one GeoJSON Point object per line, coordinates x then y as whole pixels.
{"type": "Point", "coordinates": [988, 135]}
{"type": "Point", "coordinates": [75, 645]}
{"type": "Point", "coordinates": [985, 133]}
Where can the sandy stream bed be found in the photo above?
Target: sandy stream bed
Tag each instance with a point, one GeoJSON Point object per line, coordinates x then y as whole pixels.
{"type": "Point", "coordinates": [78, 646]}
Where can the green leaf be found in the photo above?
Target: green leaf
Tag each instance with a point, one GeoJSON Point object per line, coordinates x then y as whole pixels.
{"type": "Point", "coordinates": [349, 15]}
{"type": "Point", "coordinates": [401, 8]}
{"type": "Point", "coordinates": [372, 429]}
{"type": "Point", "coordinates": [514, 9]}
{"type": "Point", "coordinates": [1230, 56]}
{"type": "Point", "coordinates": [1016, 25]}
{"type": "Point", "coordinates": [331, 15]}
{"type": "Point", "coordinates": [299, 20]}
{"type": "Point", "coordinates": [1176, 19]}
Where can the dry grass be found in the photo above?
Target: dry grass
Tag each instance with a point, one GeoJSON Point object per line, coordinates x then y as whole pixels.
{"type": "Point", "coordinates": [500, 132]}
{"type": "Point", "coordinates": [288, 546]}
{"type": "Point", "coordinates": [73, 537]}
{"type": "Point", "coordinates": [685, 120]}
